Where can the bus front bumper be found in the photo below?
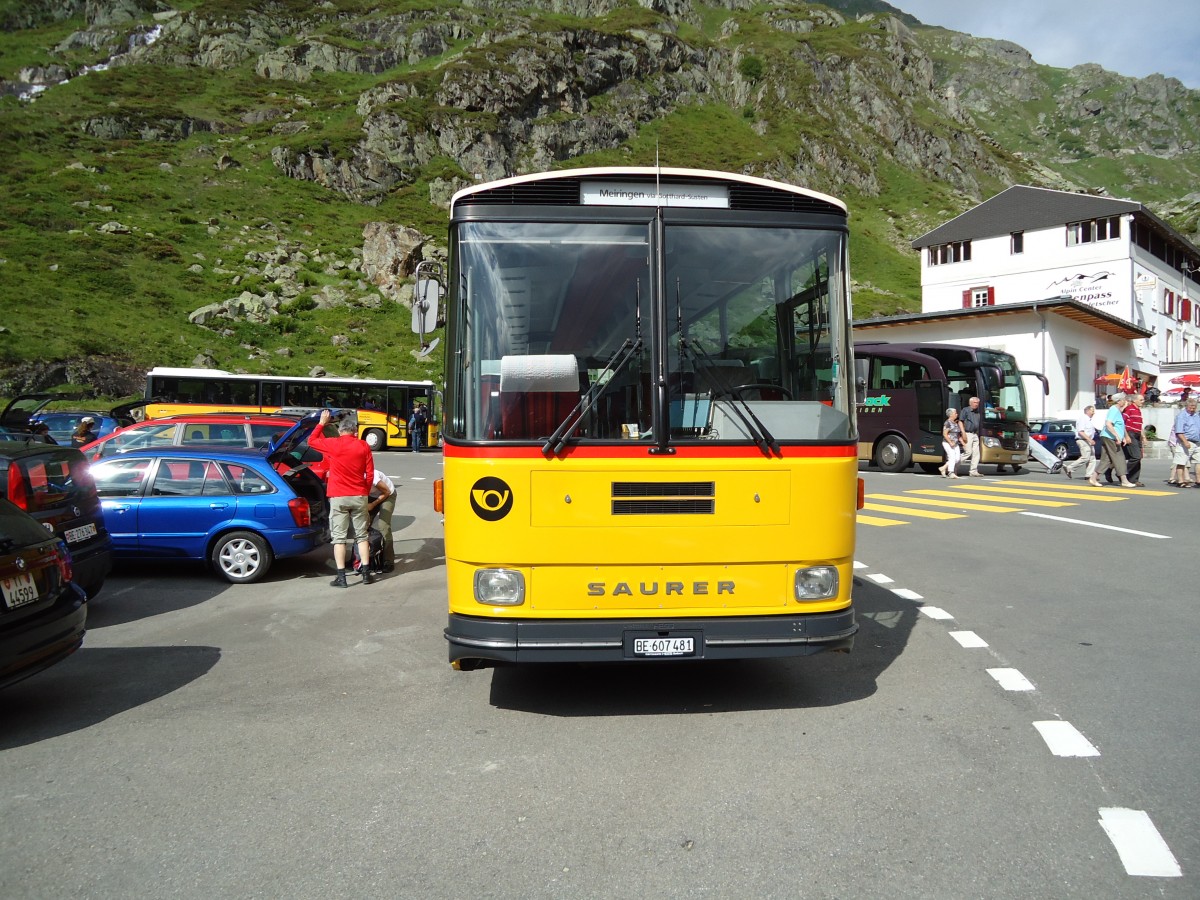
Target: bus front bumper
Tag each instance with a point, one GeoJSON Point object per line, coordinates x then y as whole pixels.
{"type": "Point", "coordinates": [623, 640]}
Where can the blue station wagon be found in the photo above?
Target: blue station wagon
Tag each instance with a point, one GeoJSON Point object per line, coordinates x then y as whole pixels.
{"type": "Point", "coordinates": [1056, 436]}
{"type": "Point", "coordinates": [237, 509]}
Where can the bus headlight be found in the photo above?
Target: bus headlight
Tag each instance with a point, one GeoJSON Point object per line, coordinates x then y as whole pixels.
{"type": "Point", "coordinates": [991, 443]}
{"type": "Point", "coordinates": [499, 587]}
{"type": "Point", "coordinates": [816, 583]}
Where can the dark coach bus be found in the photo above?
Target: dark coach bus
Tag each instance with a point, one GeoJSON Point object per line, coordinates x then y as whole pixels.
{"type": "Point", "coordinates": [904, 390]}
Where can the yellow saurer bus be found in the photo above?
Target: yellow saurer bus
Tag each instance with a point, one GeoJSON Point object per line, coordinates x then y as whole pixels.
{"type": "Point", "coordinates": [383, 406]}
{"type": "Point", "coordinates": [649, 424]}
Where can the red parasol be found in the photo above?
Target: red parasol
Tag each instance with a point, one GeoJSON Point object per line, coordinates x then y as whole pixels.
{"type": "Point", "coordinates": [1190, 379]}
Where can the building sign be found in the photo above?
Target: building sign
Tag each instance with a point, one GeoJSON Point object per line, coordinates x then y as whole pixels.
{"type": "Point", "coordinates": [1094, 289]}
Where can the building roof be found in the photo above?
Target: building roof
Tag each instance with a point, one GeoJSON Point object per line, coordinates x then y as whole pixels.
{"type": "Point", "coordinates": [1066, 307]}
{"type": "Point", "coordinates": [1024, 208]}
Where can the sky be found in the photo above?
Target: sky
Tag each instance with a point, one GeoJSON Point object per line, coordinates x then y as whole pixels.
{"type": "Point", "coordinates": [1135, 39]}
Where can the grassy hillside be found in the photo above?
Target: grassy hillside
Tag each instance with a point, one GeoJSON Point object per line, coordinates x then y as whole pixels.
{"type": "Point", "coordinates": [132, 197]}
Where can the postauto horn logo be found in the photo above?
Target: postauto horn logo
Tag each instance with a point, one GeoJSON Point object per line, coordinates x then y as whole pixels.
{"type": "Point", "coordinates": [491, 499]}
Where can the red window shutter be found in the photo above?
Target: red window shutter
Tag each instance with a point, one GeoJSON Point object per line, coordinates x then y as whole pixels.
{"type": "Point", "coordinates": [966, 299]}
{"type": "Point", "coordinates": [1169, 297]}
{"type": "Point", "coordinates": [1185, 310]}
{"type": "Point", "coordinates": [991, 296]}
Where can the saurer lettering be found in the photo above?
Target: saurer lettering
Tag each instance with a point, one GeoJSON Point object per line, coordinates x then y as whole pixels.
{"type": "Point", "coordinates": [650, 588]}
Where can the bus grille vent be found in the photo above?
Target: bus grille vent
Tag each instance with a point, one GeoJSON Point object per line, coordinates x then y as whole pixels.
{"type": "Point", "coordinates": [664, 498]}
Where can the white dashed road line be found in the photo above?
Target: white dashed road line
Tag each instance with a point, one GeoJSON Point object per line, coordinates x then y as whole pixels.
{"type": "Point", "coordinates": [1011, 679]}
{"type": "Point", "coordinates": [1064, 739]}
{"type": "Point", "coordinates": [1142, 850]}
{"type": "Point", "coordinates": [1140, 846]}
{"type": "Point", "coordinates": [968, 639]}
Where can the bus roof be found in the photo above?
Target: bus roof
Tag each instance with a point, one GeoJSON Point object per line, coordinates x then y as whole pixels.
{"type": "Point", "coordinates": [643, 172]}
{"type": "Point", "coordinates": [175, 372]}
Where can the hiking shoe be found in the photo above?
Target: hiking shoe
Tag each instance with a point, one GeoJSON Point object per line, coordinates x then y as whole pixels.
{"type": "Point", "coordinates": [367, 577]}
{"type": "Point", "coordinates": [339, 582]}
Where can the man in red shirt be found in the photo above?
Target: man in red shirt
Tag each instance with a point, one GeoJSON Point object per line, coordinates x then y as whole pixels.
{"type": "Point", "coordinates": [1134, 450]}
{"type": "Point", "coordinates": [351, 471]}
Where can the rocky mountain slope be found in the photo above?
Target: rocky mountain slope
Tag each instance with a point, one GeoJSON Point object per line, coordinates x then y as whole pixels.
{"type": "Point", "coordinates": [251, 184]}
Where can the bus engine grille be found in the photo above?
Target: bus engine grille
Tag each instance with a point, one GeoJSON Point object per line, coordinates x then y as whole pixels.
{"type": "Point", "coordinates": [664, 498]}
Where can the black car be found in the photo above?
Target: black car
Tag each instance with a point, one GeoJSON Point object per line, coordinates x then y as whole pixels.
{"type": "Point", "coordinates": [27, 410]}
{"type": "Point", "coordinates": [54, 485]}
{"type": "Point", "coordinates": [42, 612]}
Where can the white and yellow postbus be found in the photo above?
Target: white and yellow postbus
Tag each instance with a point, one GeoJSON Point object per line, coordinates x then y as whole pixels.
{"type": "Point", "coordinates": [649, 421]}
{"type": "Point", "coordinates": [383, 406]}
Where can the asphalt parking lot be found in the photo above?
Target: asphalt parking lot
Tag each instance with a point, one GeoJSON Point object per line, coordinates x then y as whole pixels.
{"type": "Point", "coordinates": [286, 738]}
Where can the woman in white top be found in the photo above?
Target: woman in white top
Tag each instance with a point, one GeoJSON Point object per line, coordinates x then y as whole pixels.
{"type": "Point", "coordinates": [953, 440]}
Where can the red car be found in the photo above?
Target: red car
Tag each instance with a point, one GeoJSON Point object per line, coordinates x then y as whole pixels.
{"type": "Point", "coordinates": [226, 430]}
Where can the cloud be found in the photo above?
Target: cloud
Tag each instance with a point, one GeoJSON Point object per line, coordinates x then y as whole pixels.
{"type": "Point", "coordinates": [1152, 36]}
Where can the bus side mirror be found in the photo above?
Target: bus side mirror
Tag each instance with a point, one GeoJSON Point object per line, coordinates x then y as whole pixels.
{"type": "Point", "coordinates": [425, 305]}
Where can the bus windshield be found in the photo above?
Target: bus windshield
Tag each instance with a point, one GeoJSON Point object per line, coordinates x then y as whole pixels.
{"type": "Point", "coordinates": [1006, 394]}
{"type": "Point", "coordinates": [555, 315]}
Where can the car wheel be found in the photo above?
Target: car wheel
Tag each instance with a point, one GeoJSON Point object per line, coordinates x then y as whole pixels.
{"type": "Point", "coordinates": [1062, 452]}
{"type": "Point", "coordinates": [241, 557]}
{"type": "Point", "coordinates": [892, 454]}
{"type": "Point", "coordinates": [375, 439]}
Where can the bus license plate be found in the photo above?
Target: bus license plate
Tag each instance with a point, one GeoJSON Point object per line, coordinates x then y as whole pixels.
{"type": "Point", "coordinates": [18, 590]}
{"type": "Point", "coordinates": [668, 646]}
{"type": "Point", "coordinates": [82, 533]}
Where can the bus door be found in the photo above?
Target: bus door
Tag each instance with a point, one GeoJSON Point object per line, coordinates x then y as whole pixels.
{"type": "Point", "coordinates": [931, 413]}
{"type": "Point", "coordinates": [270, 397]}
{"type": "Point", "coordinates": [399, 405]}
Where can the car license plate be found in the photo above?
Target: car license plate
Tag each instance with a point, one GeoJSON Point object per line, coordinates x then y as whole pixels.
{"type": "Point", "coordinates": [18, 590]}
{"type": "Point", "coordinates": [82, 533]}
{"type": "Point", "coordinates": [668, 646]}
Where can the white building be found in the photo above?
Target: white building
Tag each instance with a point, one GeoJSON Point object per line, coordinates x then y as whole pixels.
{"type": "Point", "coordinates": [1074, 286]}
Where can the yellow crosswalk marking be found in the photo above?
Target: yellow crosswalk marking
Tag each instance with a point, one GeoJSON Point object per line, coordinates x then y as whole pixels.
{"type": "Point", "coordinates": [919, 513]}
{"type": "Point", "coordinates": [1085, 488]}
{"type": "Point", "coordinates": [905, 498]}
{"type": "Point", "coordinates": [965, 492]}
{"type": "Point", "coordinates": [872, 520]}
{"type": "Point", "coordinates": [980, 492]}
{"type": "Point", "coordinates": [1063, 492]}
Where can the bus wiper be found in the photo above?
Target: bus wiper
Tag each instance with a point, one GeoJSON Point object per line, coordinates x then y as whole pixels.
{"type": "Point", "coordinates": [629, 348]}
{"type": "Point", "coordinates": [758, 432]}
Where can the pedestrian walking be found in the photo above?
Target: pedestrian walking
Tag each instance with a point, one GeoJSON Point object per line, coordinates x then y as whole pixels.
{"type": "Point", "coordinates": [1136, 448]}
{"type": "Point", "coordinates": [972, 418]}
{"type": "Point", "coordinates": [952, 443]}
{"type": "Point", "coordinates": [1113, 439]}
{"type": "Point", "coordinates": [1085, 438]}
{"type": "Point", "coordinates": [1187, 447]}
